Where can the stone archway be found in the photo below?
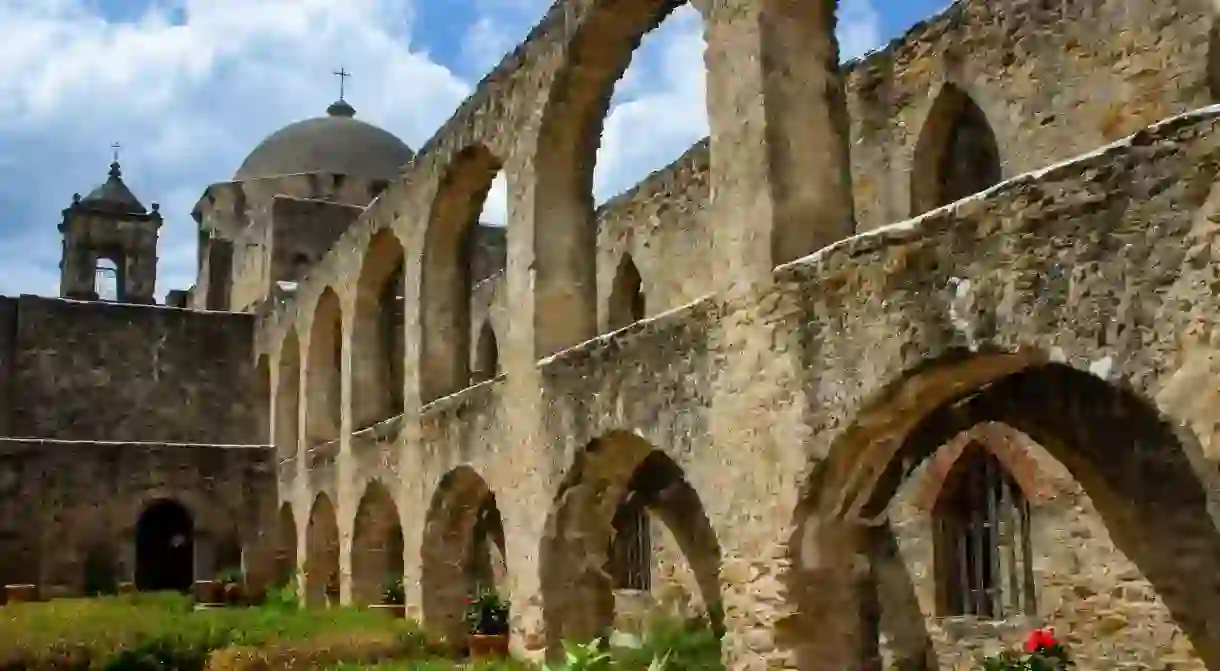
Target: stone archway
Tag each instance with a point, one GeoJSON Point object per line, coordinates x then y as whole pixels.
{"type": "Point", "coordinates": [322, 554]}
{"type": "Point", "coordinates": [324, 371]}
{"type": "Point", "coordinates": [956, 155]}
{"type": "Point", "coordinates": [463, 550]}
{"type": "Point", "coordinates": [165, 547]}
{"type": "Point", "coordinates": [577, 588]}
{"type": "Point", "coordinates": [377, 545]}
{"type": "Point", "coordinates": [286, 547]}
{"type": "Point", "coordinates": [288, 399]}
{"type": "Point", "coordinates": [1138, 470]}
{"type": "Point", "coordinates": [377, 332]}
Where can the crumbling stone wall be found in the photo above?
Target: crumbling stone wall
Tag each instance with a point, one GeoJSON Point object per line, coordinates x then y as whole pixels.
{"type": "Point", "coordinates": [60, 501]}
{"type": "Point", "coordinates": [104, 371]}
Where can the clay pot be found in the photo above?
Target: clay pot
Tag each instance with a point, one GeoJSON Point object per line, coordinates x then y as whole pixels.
{"type": "Point", "coordinates": [21, 593]}
{"type": "Point", "coordinates": [233, 593]}
{"type": "Point", "coordinates": [127, 588]}
{"type": "Point", "coordinates": [488, 646]}
{"type": "Point", "coordinates": [397, 611]}
{"type": "Point", "coordinates": [209, 592]}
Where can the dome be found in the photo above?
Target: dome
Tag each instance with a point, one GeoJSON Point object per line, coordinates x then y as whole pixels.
{"type": "Point", "coordinates": [336, 143]}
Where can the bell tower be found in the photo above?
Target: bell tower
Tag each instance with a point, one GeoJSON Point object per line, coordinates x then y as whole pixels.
{"type": "Point", "coordinates": [109, 244]}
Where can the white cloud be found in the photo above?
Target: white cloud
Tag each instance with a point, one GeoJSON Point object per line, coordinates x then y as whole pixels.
{"type": "Point", "coordinates": [190, 86]}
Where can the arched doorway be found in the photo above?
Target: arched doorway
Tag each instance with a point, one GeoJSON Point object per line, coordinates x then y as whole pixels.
{"type": "Point", "coordinates": [377, 545]}
{"type": "Point", "coordinates": [165, 547]}
{"type": "Point", "coordinates": [463, 549]}
{"type": "Point", "coordinates": [597, 546]}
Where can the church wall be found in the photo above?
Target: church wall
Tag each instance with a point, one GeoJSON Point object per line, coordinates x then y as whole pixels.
{"type": "Point", "coordinates": [302, 231]}
{"type": "Point", "coordinates": [104, 371]}
{"type": "Point", "coordinates": [59, 502]}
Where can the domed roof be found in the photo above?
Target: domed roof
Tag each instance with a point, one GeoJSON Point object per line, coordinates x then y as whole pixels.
{"type": "Point", "coordinates": [335, 143]}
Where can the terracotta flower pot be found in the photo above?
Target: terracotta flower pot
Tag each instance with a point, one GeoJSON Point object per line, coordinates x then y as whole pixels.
{"type": "Point", "coordinates": [488, 646]}
{"type": "Point", "coordinates": [21, 593]}
{"type": "Point", "coordinates": [127, 588]}
{"type": "Point", "coordinates": [397, 611]}
{"type": "Point", "coordinates": [233, 593]}
{"type": "Point", "coordinates": [209, 592]}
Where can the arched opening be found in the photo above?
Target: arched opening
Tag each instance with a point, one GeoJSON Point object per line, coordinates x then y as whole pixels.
{"type": "Point", "coordinates": [101, 575]}
{"type": "Point", "coordinates": [956, 155]}
{"type": "Point", "coordinates": [165, 547]}
{"type": "Point", "coordinates": [982, 540]}
{"type": "Point", "coordinates": [627, 297]}
{"type": "Point", "coordinates": [106, 279]}
{"type": "Point", "coordinates": [447, 279]}
{"type": "Point", "coordinates": [322, 554]}
{"type": "Point", "coordinates": [288, 398]}
{"type": "Point", "coordinates": [377, 358]}
{"type": "Point", "coordinates": [487, 360]}
{"type": "Point", "coordinates": [1138, 469]}
{"type": "Point", "coordinates": [262, 402]}
{"type": "Point", "coordinates": [620, 478]}
{"type": "Point", "coordinates": [324, 386]}
{"type": "Point", "coordinates": [462, 552]}
{"type": "Point", "coordinates": [286, 547]}
{"type": "Point", "coordinates": [377, 546]}
{"type": "Point", "coordinates": [565, 230]}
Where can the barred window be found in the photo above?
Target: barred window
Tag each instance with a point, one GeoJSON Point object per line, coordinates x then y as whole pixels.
{"type": "Point", "coordinates": [982, 545]}
{"type": "Point", "coordinates": [631, 549]}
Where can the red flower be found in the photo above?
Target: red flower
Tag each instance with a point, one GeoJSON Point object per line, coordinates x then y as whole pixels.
{"type": "Point", "coordinates": [1040, 639]}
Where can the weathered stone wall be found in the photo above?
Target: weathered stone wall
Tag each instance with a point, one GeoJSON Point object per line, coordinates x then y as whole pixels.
{"type": "Point", "coordinates": [8, 334]}
{"type": "Point", "coordinates": [60, 501]}
{"type": "Point", "coordinates": [103, 371]}
{"type": "Point", "coordinates": [302, 230]}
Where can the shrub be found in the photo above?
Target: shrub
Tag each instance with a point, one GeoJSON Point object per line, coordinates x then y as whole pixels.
{"type": "Point", "coordinates": [1042, 652]}
{"type": "Point", "coordinates": [487, 614]}
{"type": "Point", "coordinates": [393, 593]}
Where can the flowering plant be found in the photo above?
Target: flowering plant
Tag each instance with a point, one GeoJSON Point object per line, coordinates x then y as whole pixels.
{"type": "Point", "coordinates": [1042, 652]}
{"type": "Point", "coordinates": [487, 614]}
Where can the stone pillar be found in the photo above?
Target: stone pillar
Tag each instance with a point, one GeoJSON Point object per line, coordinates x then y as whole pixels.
{"type": "Point", "coordinates": [780, 168]}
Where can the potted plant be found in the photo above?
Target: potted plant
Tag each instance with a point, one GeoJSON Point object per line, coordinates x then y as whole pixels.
{"type": "Point", "coordinates": [1042, 652]}
{"type": "Point", "coordinates": [209, 592]}
{"type": "Point", "coordinates": [231, 586]}
{"type": "Point", "coordinates": [393, 598]}
{"type": "Point", "coordinates": [487, 621]}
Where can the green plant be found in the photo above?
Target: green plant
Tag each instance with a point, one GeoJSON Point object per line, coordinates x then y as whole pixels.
{"type": "Point", "coordinates": [589, 656]}
{"type": "Point", "coordinates": [284, 597]}
{"type": "Point", "coordinates": [229, 576]}
{"type": "Point", "coordinates": [1042, 652]}
{"type": "Point", "coordinates": [681, 644]}
{"type": "Point", "coordinates": [487, 614]}
{"type": "Point", "coordinates": [393, 593]}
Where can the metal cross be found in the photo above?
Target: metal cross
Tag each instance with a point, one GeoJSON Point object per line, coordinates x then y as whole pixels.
{"type": "Point", "coordinates": [116, 147]}
{"type": "Point", "coordinates": [343, 75]}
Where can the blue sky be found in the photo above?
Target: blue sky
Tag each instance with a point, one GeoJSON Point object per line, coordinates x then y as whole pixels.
{"type": "Point", "coordinates": [188, 87]}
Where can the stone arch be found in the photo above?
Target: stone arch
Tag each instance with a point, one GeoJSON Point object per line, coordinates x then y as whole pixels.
{"type": "Point", "coordinates": [324, 374]}
{"type": "Point", "coordinates": [956, 155]}
{"type": "Point", "coordinates": [578, 601]}
{"type": "Point", "coordinates": [288, 398]}
{"type": "Point", "coordinates": [487, 354]}
{"type": "Point", "coordinates": [262, 401]}
{"type": "Point", "coordinates": [627, 303]}
{"type": "Point", "coordinates": [377, 332]}
{"type": "Point", "coordinates": [377, 545]}
{"type": "Point", "coordinates": [322, 554]}
{"type": "Point", "coordinates": [565, 233]}
{"type": "Point", "coordinates": [463, 549]}
{"type": "Point", "coordinates": [1142, 473]}
{"type": "Point", "coordinates": [446, 280]}
{"type": "Point", "coordinates": [165, 547]}
{"type": "Point", "coordinates": [285, 546]}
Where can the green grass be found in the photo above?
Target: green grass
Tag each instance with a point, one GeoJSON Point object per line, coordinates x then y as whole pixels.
{"type": "Point", "coordinates": [163, 631]}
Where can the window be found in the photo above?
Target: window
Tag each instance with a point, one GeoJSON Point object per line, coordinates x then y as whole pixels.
{"type": "Point", "coordinates": [106, 279]}
{"type": "Point", "coordinates": [631, 549]}
{"type": "Point", "coordinates": [982, 541]}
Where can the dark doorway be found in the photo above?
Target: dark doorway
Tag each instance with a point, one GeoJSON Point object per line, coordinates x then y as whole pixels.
{"type": "Point", "coordinates": [165, 548]}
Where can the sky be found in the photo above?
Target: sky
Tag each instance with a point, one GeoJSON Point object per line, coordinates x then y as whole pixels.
{"type": "Point", "coordinates": [189, 87]}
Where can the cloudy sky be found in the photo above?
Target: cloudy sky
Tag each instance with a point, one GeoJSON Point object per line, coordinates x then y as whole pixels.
{"type": "Point", "coordinates": [189, 87]}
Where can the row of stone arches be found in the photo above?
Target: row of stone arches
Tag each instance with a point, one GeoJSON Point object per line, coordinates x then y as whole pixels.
{"type": "Point", "coordinates": [1136, 469]}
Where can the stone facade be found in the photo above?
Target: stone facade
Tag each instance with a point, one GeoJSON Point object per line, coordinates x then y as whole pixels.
{"type": "Point", "coordinates": [861, 438]}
